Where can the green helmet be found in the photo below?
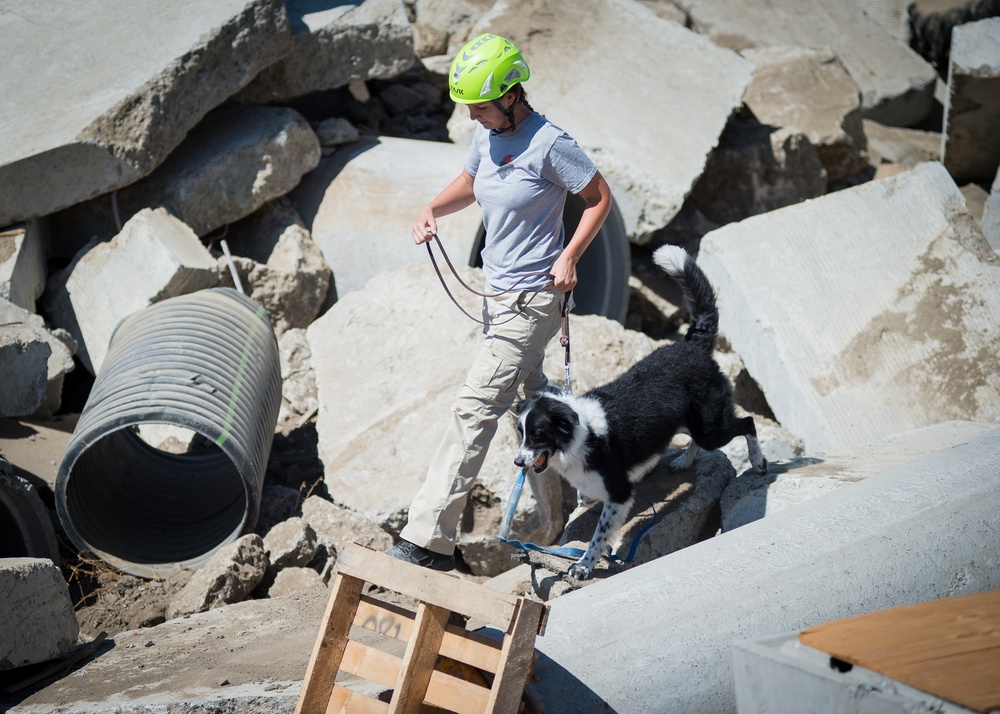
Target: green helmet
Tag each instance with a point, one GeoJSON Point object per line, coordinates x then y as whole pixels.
{"type": "Point", "coordinates": [485, 69]}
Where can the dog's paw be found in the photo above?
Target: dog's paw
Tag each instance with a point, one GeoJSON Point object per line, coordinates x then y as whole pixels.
{"type": "Point", "coordinates": [761, 466]}
{"type": "Point", "coordinates": [579, 571]}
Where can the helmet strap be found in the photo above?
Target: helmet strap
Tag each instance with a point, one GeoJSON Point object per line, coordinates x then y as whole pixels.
{"type": "Point", "coordinates": [509, 113]}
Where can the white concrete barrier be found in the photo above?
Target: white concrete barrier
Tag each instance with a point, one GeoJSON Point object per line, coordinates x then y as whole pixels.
{"type": "Point", "coordinates": [660, 638]}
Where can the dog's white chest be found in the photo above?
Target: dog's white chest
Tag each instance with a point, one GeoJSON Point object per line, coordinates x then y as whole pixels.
{"type": "Point", "coordinates": [586, 482]}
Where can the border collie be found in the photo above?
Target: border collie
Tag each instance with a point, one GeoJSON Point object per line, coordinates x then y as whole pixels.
{"type": "Point", "coordinates": [607, 440]}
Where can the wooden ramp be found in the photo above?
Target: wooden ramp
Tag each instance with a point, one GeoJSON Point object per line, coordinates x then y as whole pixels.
{"type": "Point", "coordinates": [422, 678]}
{"type": "Point", "coordinates": [949, 648]}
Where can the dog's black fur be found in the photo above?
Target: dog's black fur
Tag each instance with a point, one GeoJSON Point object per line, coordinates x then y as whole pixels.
{"type": "Point", "coordinates": [608, 439]}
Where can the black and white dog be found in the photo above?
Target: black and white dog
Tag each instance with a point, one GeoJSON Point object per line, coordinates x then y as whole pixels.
{"type": "Point", "coordinates": [605, 441]}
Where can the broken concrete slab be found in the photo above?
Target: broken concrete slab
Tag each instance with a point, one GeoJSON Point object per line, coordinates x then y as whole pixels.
{"type": "Point", "coordinates": [114, 95]}
{"type": "Point", "coordinates": [916, 533]}
{"type": "Point", "coordinates": [280, 266]}
{"type": "Point", "coordinates": [154, 257]}
{"type": "Point", "coordinates": [231, 164]}
{"type": "Point", "coordinates": [810, 92]}
{"type": "Point", "coordinates": [361, 238]}
{"type": "Point", "coordinates": [891, 15]}
{"type": "Point", "coordinates": [991, 215]}
{"type": "Point", "coordinates": [970, 150]}
{"type": "Point", "coordinates": [60, 360]}
{"type": "Point", "coordinates": [333, 44]}
{"type": "Point", "coordinates": [683, 85]}
{"type": "Point", "coordinates": [36, 613]}
{"type": "Point", "coordinates": [393, 404]}
{"type": "Point", "coordinates": [904, 147]}
{"type": "Point", "coordinates": [789, 483]}
{"type": "Point", "coordinates": [336, 527]}
{"type": "Point", "coordinates": [24, 362]}
{"type": "Point", "coordinates": [22, 265]}
{"type": "Point", "coordinates": [897, 85]}
{"type": "Point", "coordinates": [672, 509]}
{"type": "Point", "coordinates": [227, 577]}
{"type": "Point", "coordinates": [893, 321]}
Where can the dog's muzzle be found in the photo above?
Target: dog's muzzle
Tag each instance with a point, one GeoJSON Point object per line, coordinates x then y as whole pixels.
{"type": "Point", "coordinates": [538, 465]}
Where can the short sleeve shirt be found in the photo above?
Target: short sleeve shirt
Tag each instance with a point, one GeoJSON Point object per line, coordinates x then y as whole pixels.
{"type": "Point", "coordinates": [521, 182]}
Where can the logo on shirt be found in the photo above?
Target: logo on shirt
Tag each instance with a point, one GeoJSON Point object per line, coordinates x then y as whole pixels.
{"type": "Point", "coordinates": [506, 166]}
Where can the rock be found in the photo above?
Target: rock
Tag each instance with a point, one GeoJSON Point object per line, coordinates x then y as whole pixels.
{"type": "Point", "coordinates": [991, 215]}
{"type": "Point", "coordinates": [22, 265]}
{"type": "Point", "coordinates": [24, 360]}
{"type": "Point", "coordinates": [441, 27]}
{"type": "Point", "coordinates": [405, 406]}
{"type": "Point", "coordinates": [118, 92]}
{"type": "Point", "coordinates": [633, 142]}
{"type": "Point", "coordinates": [154, 257]}
{"type": "Point", "coordinates": [333, 45]}
{"type": "Point", "coordinates": [971, 151]}
{"type": "Point", "coordinates": [59, 363]}
{"type": "Point", "coordinates": [299, 397]}
{"type": "Point", "coordinates": [231, 164]}
{"type": "Point", "coordinates": [35, 612]}
{"type": "Point", "coordinates": [680, 508]}
{"type": "Point", "coordinates": [227, 577]}
{"type": "Point", "coordinates": [360, 240]}
{"type": "Point", "coordinates": [284, 270]}
{"type": "Point", "coordinates": [897, 85]}
{"type": "Point", "coordinates": [336, 526]}
{"type": "Point", "coordinates": [336, 131]}
{"type": "Point", "coordinates": [296, 580]}
{"type": "Point", "coordinates": [879, 338]}
{"type": "Point", "coordinates": [290, 544]}
{"type": "Point", "coordinates": [810, 92]}
{"type": "Point", "coordinates": [794, 481]}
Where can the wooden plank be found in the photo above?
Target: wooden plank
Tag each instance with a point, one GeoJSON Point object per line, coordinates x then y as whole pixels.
{"type": "Point", "coordinates": [346, 701]}
{"type": "Point", "coordinates": [518, 657]}
{"type": "Point", "coordinates": [454, 694]}
{"type": "Point", "coordinates": [418, 662]}
{"type": "Point", "coordinates": [371, 663]}
{"type": "Point", "coordinates": [426, 585]}
{"type": "Point", "coordinates": [949, 648]}
{"type": "Point", "coordinates": [330, 644]}
{"type": "Point", "coordinates": [397, 622]}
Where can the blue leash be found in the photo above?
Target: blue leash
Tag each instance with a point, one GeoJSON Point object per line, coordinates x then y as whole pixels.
{"type": "Point", "coordinates": [515, 496]}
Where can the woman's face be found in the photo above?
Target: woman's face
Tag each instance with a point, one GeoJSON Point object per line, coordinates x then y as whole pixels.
{"type": "Point", "coordinates": [488, 115]}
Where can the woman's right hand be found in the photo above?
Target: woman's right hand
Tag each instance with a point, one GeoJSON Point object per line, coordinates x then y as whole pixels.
{"type": "Point", "coordinates": [425, 228]}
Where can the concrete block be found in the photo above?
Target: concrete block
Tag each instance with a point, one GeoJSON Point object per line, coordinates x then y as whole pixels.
{"type": "Point", "coordinates": [810, 91]}
{"type": "Point", "coordinates": [917, 533]}
{"type": "Point", "coordinates": [361, 239]}
{"type": "Point", "coordinates": [864, 313]}
{"type": "Point", "coordinates": [118, 90]}
{"type": "Point", "coordinates": [60, 360]}
{"type": "Point", "coordinates": [390, 403]}
{"type": "Point", "coordinates": [903, 147]}
{"type": "Point", "coordinates": [22, 265]}
{"type": "Point", "coordinates": [791, 482]}
{"type": "Point", "coordinates": [230, 165]}
{"type": "Point", "coordinates": [971, 151]}
{"type": "Point", "coordinates": [897, 85]}
{"type": "Point", "coordinates": [678, 84]}
{"type": "Point", "coordinates": [991, 215]}
{"type": "Point", "coordinates": [333, 44]}
{"type": "Point", "coordinates": [24, 364]}
{"type": "Point", "coordinates": [779, 675]}
{"type": "Point", "coordinates": [36, 614]}
{"type": "Point", "coordinates": [154, 257]}
{"type": "Point", "coordinates": [891, 16]}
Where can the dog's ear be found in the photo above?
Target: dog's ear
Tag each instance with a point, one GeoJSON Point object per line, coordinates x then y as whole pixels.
{"type": "Point", "coordinates": [564, 420]}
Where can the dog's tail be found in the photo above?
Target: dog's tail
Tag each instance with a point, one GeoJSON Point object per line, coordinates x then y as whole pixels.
{"type": "Point", "coordinates": [698, 293]}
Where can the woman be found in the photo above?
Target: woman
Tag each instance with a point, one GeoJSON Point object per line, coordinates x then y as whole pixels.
{"type": "Point", "coordinates": [519, 169]}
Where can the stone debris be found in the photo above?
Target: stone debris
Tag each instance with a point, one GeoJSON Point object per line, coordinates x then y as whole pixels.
{"type": "Point", "coordinates": [284, 149]}
{"type": "Point", "coordinates": [971, 151]}
{"type": "Point", "coordinates": [37, 614]}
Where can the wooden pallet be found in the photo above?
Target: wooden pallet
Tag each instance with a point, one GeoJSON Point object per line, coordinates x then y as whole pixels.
{"type": "Point", "coordinates": [418, 678]}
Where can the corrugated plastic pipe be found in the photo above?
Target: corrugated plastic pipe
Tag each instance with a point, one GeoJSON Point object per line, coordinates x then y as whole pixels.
{"type": "Point", "coordinates": [207, 362]}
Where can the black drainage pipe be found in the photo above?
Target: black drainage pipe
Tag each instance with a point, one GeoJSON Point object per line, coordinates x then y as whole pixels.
{"type": "Point", "coordinates": [206, 362]}
{"type": "Point", "coordinates": [25, 527]}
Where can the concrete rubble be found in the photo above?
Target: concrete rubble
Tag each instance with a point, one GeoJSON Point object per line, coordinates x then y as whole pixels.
{"type": "Point", "coordinates": [840, 193]}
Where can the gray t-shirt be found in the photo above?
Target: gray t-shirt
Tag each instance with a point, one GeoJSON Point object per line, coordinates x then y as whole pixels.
{"type": "Point", "coordinates": [521, 180]}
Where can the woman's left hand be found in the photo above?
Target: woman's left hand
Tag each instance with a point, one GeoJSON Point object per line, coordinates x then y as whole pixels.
{"type": "Point", "coordinates": [564, 273]}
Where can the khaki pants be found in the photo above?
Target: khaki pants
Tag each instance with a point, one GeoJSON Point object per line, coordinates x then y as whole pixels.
{"type": "Point", "coordinates": [507, 366]}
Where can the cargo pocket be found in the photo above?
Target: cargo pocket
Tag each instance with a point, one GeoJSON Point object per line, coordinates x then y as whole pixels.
{"type": "Point", "coordinates": [493, 378]}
